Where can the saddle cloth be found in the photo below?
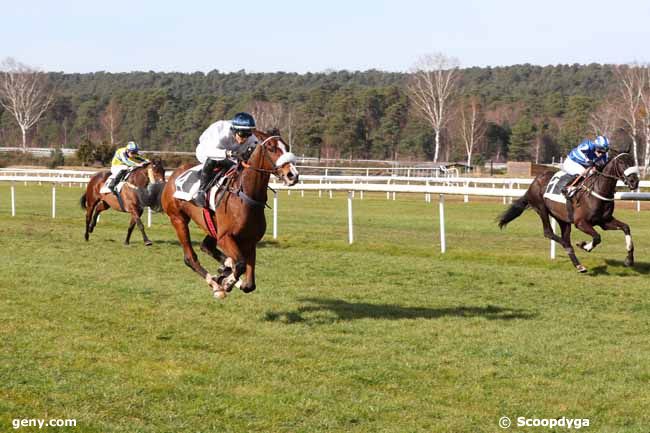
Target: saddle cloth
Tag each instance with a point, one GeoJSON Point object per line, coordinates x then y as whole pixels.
{"type": "Point", "coordinates": [105, 190]}
{"type": "Point", "coordinates": [554, 188]}
{"type": "Point", "coordinates": [187, 184]}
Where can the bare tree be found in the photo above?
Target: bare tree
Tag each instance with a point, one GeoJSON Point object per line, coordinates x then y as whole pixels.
{"type": "Point", "coordinates": [632, 81]}
{"type": "Point", "coordinates": [269, 115]}
{"type": "Point", "coordinates": [603, 120]}
{"type": "Point", "coordinates": [645, 117]}
{"type": "Point", "coordinates": [25, 93]}
{"type": "Point", "coordinates": [111, 119]}
{"type": "Point", "coordinates": [472, 125]}
{"type": "Point", "coordinates": [431, 86]}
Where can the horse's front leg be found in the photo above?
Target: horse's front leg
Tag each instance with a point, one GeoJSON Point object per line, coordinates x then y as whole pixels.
{"type": "Point", "coordinates": [235, 262]}
{"type": "Point", "coordinates": [138, 221]}
{"type": "Point", "coordinates": [248, 285]}
{"type": "Point", "coordinates": [615, 224]}
{"type": "Point", "coordinates": [588, 229]}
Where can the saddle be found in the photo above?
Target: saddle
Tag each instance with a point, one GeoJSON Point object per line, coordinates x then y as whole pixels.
{"type": "Point", "coordinates": [187, 184]}
{"type": "Point", "coordinates": [557, 183]}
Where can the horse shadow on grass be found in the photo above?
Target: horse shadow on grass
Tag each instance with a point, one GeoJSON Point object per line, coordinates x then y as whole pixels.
{"type": "Point", "coordinates": [319, 310]}
{"type": "Point", "coordinates": [638, 268]}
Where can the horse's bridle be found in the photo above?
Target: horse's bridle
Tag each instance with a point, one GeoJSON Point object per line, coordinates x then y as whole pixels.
{"type": "Point", "coordinates": [265, 153]}
{"type": "Point", "coordinates": [617, 174]}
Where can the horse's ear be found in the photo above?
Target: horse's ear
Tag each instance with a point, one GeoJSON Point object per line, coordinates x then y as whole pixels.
{"type": "Point", "coordinates": [273, 131]}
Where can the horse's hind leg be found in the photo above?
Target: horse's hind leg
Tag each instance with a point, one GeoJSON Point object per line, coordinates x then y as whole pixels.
{"type": "Point", "coordinates": [99, 207]}
{"type": "Point", "coordinates": [190, 258]}
{"type": "Point", "coordinates": [565, 240]}
{"type": "Point", "coordinates": [615, 224]}
{"type": "Point", "coordinates": [90, 209]}
{"type": "Point", "coordinates": [565, 229]}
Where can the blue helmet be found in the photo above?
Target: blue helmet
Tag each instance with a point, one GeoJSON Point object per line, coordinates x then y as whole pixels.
{"type": "Point", "coordinates": [131, 146]}
{"type": "Point", "coordinates": [243, 122]}
{"type": "Point", "coordinates": [602, 143]}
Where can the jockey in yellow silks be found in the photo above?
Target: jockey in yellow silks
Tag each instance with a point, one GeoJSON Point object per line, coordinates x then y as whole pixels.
{"type": "Point", "coordinates": [125, 158]}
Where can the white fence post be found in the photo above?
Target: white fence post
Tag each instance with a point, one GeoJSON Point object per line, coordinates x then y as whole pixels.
{"type": "Point", "coordinates": [13, 199]}
{"type": "Point", "coordinates": [350, 227]}
{"type": "Point", "coordinates": [553, 224]}
{"type": "Point", "coordinates": [148, 217]}
{"type": "Point", "coordinates": [275, 215]}
{"type": "Point", "coordinates": [443, 243]}
{"type": "Point", "coordinates": [53, 200]}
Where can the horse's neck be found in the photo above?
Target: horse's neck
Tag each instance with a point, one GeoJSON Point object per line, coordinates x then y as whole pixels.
{"type": "Point", "coordinates": [253, 182]}
{"type": "Point", "coordinates": [139, 177]}
{"type": "Point", "coordinates": [605, 185]}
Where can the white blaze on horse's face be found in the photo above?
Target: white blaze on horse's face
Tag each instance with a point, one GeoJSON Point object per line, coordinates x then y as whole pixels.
{"type": "Point", "coordinates": [285, 165]}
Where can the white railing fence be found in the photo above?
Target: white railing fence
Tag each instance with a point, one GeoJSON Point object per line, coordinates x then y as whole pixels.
{"type": "Point", "coordinates": [428, 189]}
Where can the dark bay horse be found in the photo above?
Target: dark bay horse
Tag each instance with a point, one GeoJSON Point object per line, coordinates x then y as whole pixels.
{"type": "Point", "coordinates": [239, 219]}
{"type": "Point", "coordinates": [593, 205]}
{"type": "Point", "coordinates": [141, 189]}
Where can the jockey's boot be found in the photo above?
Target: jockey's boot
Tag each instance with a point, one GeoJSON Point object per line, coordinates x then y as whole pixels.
{"type": "Point", "coordinates": [116, 181]}
{"type": "Point", "coordinates": [570, 189]}
{"type": "Point", "coordinates": [207, 175]}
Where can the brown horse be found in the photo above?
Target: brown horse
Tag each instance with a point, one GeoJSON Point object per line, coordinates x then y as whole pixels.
{"type": "Point", "coordinates": [593, 204]}
{"type": "Point", "coordinates": [142, 188]}
{"type": "Point", "coordinates": [239, 219]}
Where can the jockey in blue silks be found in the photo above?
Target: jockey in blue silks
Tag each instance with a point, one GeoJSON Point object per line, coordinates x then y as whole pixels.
{"type": "Point", "coordinates": [586, 155]}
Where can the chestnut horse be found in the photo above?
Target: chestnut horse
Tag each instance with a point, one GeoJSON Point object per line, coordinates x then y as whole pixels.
{"type": "Point", "coordinates": [142, 188]}
{"type": "Point", "coordinates": [239, 219]}
{"type": "Point", "coordinates": [593, 205]}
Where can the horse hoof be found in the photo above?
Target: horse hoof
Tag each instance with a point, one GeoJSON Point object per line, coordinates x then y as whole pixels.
{"type": "Point", "coordinates": [247, 289]}
{"type": "Point", "coordinates": [581, 269]}
{"type": "Point", "coordinates": [148, 243]}
{"type": "Point", "coordinates": [629, 262]}
{"type": "Point", "coordinates": [219, 294]}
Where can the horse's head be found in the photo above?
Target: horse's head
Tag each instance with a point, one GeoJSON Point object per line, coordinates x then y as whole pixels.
{"type": "Point", "coordinates": [156, 171]}
{"type": "Point", "coordinates": [271, 155]}
{"type": "Point", "coordinates": [622, 167]}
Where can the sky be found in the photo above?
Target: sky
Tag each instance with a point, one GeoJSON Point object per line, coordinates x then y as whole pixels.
{"type": "Point", "coordinates": [303, 36]}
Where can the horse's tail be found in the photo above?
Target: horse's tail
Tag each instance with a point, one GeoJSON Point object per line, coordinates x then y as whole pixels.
{"type": "Point", "coordinates": [82, 201]}
{"type": "Point", "coordinates": [516, 209]}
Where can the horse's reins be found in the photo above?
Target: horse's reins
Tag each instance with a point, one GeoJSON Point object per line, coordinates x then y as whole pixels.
{"type": "Point", "coordinates": [617, 176]}
{"type": "Point", "coordinates": [240, 193]}
{"type": "Point", "coordinates": [246, 165]}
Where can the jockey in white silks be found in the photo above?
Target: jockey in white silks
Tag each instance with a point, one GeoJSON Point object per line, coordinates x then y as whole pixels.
{"type": "Point", "coordinates": [220, 144]}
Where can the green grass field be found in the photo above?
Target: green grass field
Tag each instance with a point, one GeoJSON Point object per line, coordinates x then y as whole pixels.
{"type": "Point", "coordinates": [385, 335]}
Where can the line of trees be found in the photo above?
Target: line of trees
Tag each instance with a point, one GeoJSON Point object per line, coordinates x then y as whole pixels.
{"type": "Point", "coordinates": [436, 112]}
